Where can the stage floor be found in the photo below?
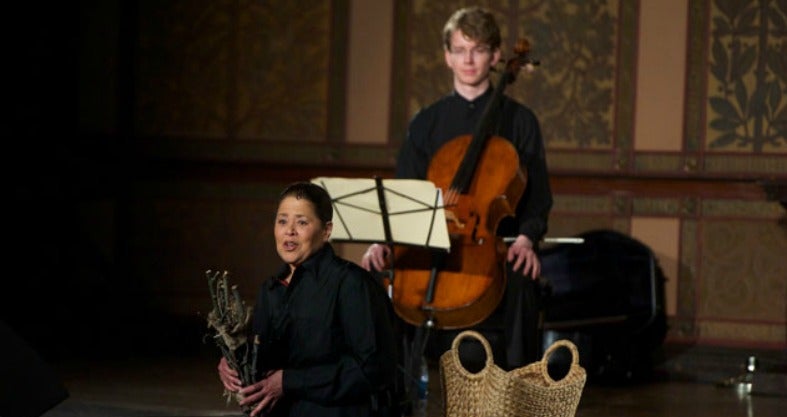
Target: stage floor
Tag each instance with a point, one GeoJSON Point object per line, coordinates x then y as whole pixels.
{"type": "Point", "coordinates": [189, 386]}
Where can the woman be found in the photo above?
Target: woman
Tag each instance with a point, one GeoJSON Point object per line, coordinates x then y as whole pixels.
{"type": "Point", "coordinates": [323, 324]}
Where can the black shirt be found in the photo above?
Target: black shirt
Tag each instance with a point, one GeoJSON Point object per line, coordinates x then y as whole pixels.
{"type": "Point", "coordinates": [453, 116]}
{"type": "Point", "coordinates": [330, 330]}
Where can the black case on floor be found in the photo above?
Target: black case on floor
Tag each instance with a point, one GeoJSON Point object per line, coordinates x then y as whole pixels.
{"type": "Point", "coordinates": [607, 296]}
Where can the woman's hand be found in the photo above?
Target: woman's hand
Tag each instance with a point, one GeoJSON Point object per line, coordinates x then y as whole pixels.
{"type": "Point", "coordinates": [263, 395]}
{"type": "Point", "coordinates": [229, 377]}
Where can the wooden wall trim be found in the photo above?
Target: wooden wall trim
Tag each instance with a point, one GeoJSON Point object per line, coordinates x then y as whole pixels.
{"type": "Point", "coordinates": [561, 183]}
{"type": "Point", "coordinates": [658, 187]}
{"type": "Point", "coordinates": [246, 163]}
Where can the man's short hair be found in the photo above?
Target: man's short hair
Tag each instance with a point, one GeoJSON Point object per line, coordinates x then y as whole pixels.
{"type": "Point", "coordinates": [475, 23]}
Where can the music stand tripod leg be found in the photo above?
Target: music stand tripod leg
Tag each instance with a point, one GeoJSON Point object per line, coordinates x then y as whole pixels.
{"type": "Point", "coordinates": [421, 336]}
{"type": "Point", "coordinates": [413, 358]}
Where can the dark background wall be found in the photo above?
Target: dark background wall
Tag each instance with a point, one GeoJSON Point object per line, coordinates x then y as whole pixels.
{"type": "Point", "coordinates": [146, 142]}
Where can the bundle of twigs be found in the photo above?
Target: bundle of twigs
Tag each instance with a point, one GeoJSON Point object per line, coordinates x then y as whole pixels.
{"type": "Point", "coordinates": [231, 318]}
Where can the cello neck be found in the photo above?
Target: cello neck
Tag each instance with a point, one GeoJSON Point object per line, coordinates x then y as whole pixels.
{"type": "Point", "coordinates": [483, 130]}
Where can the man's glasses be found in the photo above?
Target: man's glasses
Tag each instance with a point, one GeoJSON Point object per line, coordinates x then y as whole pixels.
{"type": "Point", "coordinates": [481, 50]}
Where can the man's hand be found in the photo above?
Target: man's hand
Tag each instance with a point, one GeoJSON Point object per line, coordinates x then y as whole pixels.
{"type": "Point", "coordinates": [375, 257]}
{"type": "Point", "coordinates": [521, 253]}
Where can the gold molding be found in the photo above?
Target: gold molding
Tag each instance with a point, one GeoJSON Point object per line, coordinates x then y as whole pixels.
{"type": "Point", "coordinates": [761, 210]}
{"type": "Point", "coordinates": [761, 164]}
{"type": "Point", "coordinates": [767, 333]}
{"type": "Point", "coordinates": [687, 271]}
{"type": "Point", "coordinates": [587, 205]}
{"type": "Point", "coordinates": [572, 161]}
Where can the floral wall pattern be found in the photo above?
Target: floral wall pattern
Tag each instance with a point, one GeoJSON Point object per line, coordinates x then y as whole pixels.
{"type": "Point", "coordinates": [747, 107]}
{"type": "Point", "coordinates": [584, 90]}
{"type": "Point", "coordinates": [573, 89]}
{"type": "Point", "coordinates": [253, 70]}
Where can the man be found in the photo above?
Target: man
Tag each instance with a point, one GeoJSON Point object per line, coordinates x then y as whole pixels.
{"type": "Point", "coordinates": [471, 39]}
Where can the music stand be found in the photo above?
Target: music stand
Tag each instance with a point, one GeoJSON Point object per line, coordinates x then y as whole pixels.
{"type": "Point", "coordinates": [394, 211]}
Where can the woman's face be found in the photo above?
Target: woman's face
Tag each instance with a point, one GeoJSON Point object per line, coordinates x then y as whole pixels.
{"type": "Point", "coordinates": [298, 231]}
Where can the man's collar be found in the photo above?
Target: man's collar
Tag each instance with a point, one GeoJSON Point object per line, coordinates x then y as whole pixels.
{"type": "Point", "coordinates": [483, 97]}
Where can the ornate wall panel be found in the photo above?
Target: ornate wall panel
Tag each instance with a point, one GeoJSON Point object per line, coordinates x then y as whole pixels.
{"type": "Point", "coordinates": [736, 110]}
{"type": "Point", "coordinates": [574, 214]}
{"type": "Point", "coordinates": [240, 70]}
{"type": "Point", "coordinates": [731, 284]}
{"type": "Point", "coordinates": [736, 113]}
{"type": "Point", "coordinates": [583, 91]}
{"type": "Point", "coordinates": [742, 272]}
{"type": "Point", "coordinates": [683, 326]}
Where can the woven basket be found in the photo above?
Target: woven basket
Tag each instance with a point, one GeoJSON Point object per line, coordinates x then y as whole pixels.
{"type": "Point", "coordinates": [543, 396]}
{"type": "Point", "coordinates": [528, 391]}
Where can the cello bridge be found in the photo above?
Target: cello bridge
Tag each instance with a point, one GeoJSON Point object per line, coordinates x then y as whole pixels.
{"type": "Point", "coordinates": [450, 216]}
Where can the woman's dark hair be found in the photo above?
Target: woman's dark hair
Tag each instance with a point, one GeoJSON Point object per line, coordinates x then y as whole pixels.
{"type": "Point", "coordinates": [312, 193]}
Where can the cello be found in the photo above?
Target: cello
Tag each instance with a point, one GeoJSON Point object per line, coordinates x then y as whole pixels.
{"type": "Point", "coordinates": [482, 182]}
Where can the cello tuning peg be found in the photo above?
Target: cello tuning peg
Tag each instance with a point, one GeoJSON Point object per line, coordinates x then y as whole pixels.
{"type": "Point", "coordinates": [522, 46]}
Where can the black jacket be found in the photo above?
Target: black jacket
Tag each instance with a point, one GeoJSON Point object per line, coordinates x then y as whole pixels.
{"type": "Point", "coordinates": [453, 116]}
{"type": "Point", "coordinates": [331, 331]}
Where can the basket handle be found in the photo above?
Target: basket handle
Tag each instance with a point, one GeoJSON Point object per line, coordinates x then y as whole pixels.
{"type": "Point", "coordinates": [555, 346]}
{"type": "Point", "coordinates": [490, 360]}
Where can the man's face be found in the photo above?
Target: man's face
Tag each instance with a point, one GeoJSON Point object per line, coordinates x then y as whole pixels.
{"type": "Point", "coordinates": [469, 60]}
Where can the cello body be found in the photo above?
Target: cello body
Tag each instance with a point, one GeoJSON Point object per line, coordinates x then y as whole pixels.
{"type": "Point", "coordinates": [470, 281]}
